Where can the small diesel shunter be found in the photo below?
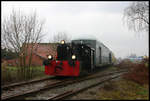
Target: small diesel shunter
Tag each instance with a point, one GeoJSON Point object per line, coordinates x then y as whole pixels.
{"type": "Point", "coordinates": [81, 56]}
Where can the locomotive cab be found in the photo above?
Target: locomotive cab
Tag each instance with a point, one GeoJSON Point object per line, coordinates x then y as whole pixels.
{"type": "Point", "coordinates": [63, 51]}
{"type": "Point", "coordinates": [85, 55]}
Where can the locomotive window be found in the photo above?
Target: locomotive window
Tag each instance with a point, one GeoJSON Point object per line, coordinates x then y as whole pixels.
{"type": "Point", "coordinates": [86, 51]}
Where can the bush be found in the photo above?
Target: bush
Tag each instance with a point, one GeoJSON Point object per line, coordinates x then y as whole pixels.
{"type": "Point", "coordinates": [125, 64]}
{"type": "Point", "coordinates": [138, 72]}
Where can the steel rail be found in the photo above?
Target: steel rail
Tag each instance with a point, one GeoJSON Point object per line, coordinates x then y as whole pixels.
{"type": "Point", "coordinates": [56, 84]}
{"type": "Point", "coordinates": [60, 96]}
{"type": "Point", "coordinates": [73, 92]}
{"type": "Point", "coordinates": [24, 83]}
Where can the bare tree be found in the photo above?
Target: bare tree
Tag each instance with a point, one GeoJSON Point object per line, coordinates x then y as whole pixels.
{"type": "Point", "coordinates": [61, 36]}
{"type": "Point", "coordinates": [19, 31]}
{"type": "Point", "coordinates": [137, 16]}
{"type": "Point", "coordinates": [57, 38]}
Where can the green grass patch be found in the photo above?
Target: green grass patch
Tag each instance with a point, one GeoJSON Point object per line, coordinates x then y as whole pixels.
{"type": "Point", "coordinates": [112, 68]}
{"type": "Point", "coordinates": [10, 74]}
{"type": "Point", "coordinates": [146, 64]}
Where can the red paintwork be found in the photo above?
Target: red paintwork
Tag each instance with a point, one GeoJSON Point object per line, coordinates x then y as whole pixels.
{"type": "Point", "coordinates": [66, 71]}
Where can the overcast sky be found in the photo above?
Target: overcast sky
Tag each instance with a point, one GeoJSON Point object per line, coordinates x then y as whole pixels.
{"type": "Point", "coordinates": [100, 20]}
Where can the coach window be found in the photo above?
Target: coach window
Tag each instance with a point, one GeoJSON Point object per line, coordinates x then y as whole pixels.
{"type": "Point", "coordinates": [100, 55]}
{"type": "Point", "coordinates": [110, 57]}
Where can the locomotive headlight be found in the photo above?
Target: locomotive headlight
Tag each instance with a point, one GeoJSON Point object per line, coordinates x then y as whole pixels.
{"type": "Point", "coordinates": [73, 57]}
{"type": "Point", "coordinates": [62, 42]}
{"type": "Point", "coordinates": [50, 57]}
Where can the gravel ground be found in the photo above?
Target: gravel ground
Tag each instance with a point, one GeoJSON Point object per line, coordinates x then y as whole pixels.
{"type": "Point", "coordinates": [27, 87]}
{"type": "Point", "coordinates": [89, 94]}
{"type": "Point", "coordinates": [53, 92]}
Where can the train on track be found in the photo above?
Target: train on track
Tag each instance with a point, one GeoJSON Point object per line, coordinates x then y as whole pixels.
{"type": "Point", "coordinates": [78, 57]}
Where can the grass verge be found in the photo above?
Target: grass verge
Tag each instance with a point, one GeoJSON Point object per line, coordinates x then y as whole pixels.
{"type": "Point", "coordinates": [124, 90]}
{"type": "Point", "coordinates": [9, 74]}
{"type": "Point", "coordinates": [133, 85]}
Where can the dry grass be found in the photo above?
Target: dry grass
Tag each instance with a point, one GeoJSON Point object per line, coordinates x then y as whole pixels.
{"type": "Point", "coordinates": [124, 90]}
{"type": "Point", "coordinates": [138, 73]}
{"type": "Point", "coordinates": [10, 74]}
{"type": "Point", "coordinates": [133, 86]}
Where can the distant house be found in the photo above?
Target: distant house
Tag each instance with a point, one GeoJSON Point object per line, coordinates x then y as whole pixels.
{"type": "Point", "coordinates": [12, 62]}
{"type": "Point", "coordinates": [39, 53]}
{"type": "Point", "coordinates": [136, 59]}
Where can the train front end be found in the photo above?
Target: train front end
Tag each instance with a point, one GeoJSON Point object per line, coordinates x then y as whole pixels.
{"type": "Point", "coordinates": [65, 64]}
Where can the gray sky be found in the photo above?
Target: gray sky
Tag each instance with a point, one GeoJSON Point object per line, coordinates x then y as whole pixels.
{"type": "Point", "coordinates": [100, 20]}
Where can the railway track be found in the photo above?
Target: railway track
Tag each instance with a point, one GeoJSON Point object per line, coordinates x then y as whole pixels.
{"type": "Point", "coordinates": [73, 92]}
{"type": "Point", "coordinates": [58, 84]}
{"type": "Point", "coordinates": [5, 87]}
{"type": "Point", "coordinates": [12, 87]}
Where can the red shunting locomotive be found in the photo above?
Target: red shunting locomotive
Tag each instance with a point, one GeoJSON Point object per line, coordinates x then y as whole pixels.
{"type": "Point", "coordinates": [79, 57]}
{"type": "Point", "coordinates": [66, 63]}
